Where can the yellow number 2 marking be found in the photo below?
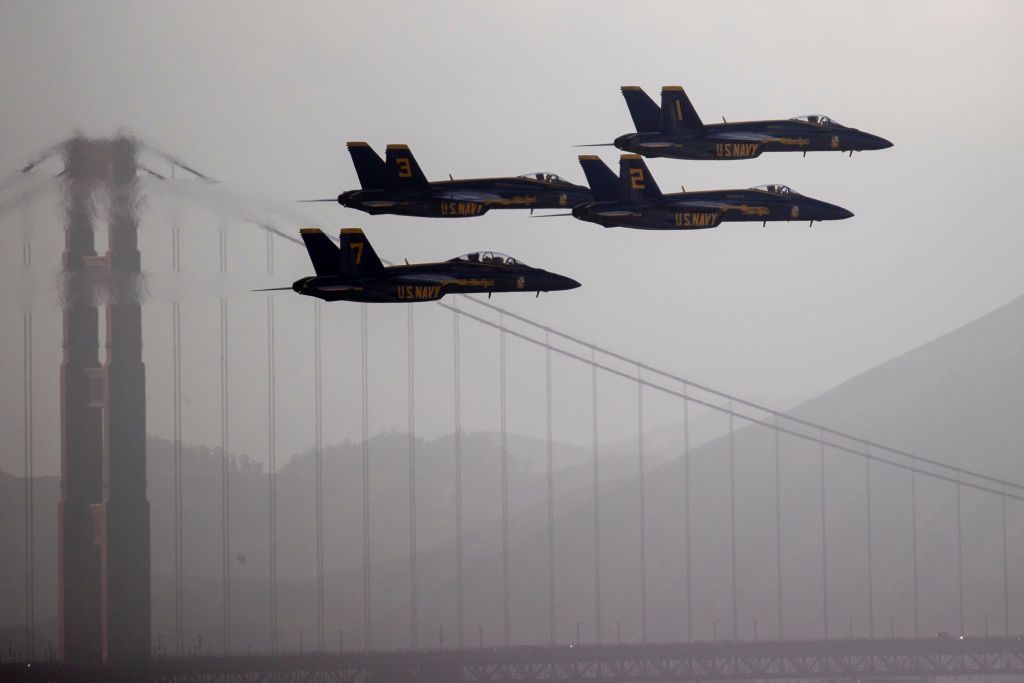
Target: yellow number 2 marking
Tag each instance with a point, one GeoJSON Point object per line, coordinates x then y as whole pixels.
{"type": "Point", "coordinates": [358, 248]}
{"type": "Point", "coordinates": [404, 167]}
{"type": "Point", "coordinates": [636, 178]}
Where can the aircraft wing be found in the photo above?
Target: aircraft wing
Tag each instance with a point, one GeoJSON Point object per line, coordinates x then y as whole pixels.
{"type": "Point", "coordinates": [468, 196]}
{"type": "Point", "coordinates": [699, 204]}
{"type": "Point", "coordinates": [617, 213]}
{"type": "Point", "coordinates": [740, 136]}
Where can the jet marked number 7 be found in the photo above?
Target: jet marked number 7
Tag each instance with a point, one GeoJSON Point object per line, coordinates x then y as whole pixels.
{"type": "Point", "coordinates": [358, 248]}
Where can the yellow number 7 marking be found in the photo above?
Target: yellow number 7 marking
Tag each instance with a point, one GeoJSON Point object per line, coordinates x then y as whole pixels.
{"type": "Point", "coordinates": [358, 248]}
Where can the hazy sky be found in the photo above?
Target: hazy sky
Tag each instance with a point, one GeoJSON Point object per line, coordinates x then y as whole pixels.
{"type": "Point", "coordinates": [265, 96]}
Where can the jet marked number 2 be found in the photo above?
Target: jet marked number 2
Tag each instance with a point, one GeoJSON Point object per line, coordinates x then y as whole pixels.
{"type": "Point", "coordinates": [636, 178]}
{"type": "Point", "coordinates": [358, 248]}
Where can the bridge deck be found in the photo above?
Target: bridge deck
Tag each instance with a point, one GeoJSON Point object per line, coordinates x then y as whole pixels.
{"type": "Point", "coordinates": [657, 662]}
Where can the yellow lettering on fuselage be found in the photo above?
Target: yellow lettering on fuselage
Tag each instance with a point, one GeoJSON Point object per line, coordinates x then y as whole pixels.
{"type": "Point", "coordinates": [418, 292]}
{"type": "Point", "coordinates": [450, 208]}
{"type": "Point", "coordinates": [736, 150]}
{"type": "Point", "coordinates": [695, 219]}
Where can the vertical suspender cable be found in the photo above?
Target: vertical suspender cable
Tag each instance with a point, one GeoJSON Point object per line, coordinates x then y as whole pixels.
{"type": "Point", "coordinates": [870, 561]}
{"type": "Point", "coordinates": [505, 606]}
{"type": "Point", "coordinates": [732, 526]}
{"type": "Point", "coordinates": [30, 583]}
{"type": "Point", "coordinates": [778, 524]}
{"type": "Point", "coordinates": [913, 540]}
{"type": "Point", "coordinates": [458, 473]}
{"type": "Point", "coordinates": [597, 505]}
{"type": "Point", "coordinates": [824, 538]}
{"type": "Point", "coordinates": [225, 497]}
{"type": "Point", "coordinates": [551, 495]}
{"type": "Point", "coordinates": [686, 515]}
{"type": "Point", "coordinates": [272, 451]}
{"type": "Point", "coordinates": [1006, 576]}
{"type": "Point", "coordinates": [318, 473]}
{"type": "Point", "coordinates": [959, 556]}
{"type": "Point", "coordinates": [367, 632]}
{"type": "Point", "coordinates": [413, 602]}
{"type": "Point", "coordinates": [179, 590]}
{"type": "Point", "coordinates": [642, 481]}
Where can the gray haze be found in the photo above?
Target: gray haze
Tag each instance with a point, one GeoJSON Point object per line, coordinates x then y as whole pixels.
{"type": "Point", "coordinates": [264, 99]}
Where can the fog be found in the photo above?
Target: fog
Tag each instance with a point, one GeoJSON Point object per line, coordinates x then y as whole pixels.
{"type": "Point", "coordinates": [264, 97]}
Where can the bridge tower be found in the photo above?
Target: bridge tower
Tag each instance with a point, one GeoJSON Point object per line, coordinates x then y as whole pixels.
{"type": "Point", "coordinates": [104, 572]}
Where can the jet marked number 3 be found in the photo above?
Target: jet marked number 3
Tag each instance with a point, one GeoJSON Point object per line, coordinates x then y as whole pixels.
{"type": "Point", "coordinates": [404, 168]}
{"type": "Point", "coordinates": [636, 178]}
{"type": "Point", "coordinates": [358, 248]}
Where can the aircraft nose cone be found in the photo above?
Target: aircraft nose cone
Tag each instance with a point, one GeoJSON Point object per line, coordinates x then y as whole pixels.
{"type": "Point", "coordinates": [561, 282]}
{"type": "Point", "coordinates": [831, 212]}
{"type": "Point", "coordinates": [875, 142]}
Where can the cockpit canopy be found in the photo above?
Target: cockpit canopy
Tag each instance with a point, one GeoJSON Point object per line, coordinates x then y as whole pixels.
{"type": "Point", "coordinates": [782, 190]}
{"type": "Point", "coordinates": [819, 119]}
{"type": "Point", "coordinates": [490, 257]}
{"type": "Point", "coordinates": [543, 176]}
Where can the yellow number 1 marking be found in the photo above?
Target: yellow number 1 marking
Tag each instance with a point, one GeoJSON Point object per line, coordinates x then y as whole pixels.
{"type": "Point", "coordinates": [636, 178]}
{"type": "Point", "coordinates": [358, 248]}
{"type": "Point", "coordinates": [404, 168]}
{"type": "Point", "coordinates": [679, 111]}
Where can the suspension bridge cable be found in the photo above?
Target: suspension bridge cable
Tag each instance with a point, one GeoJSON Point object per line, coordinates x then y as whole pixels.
{"type": "Point", "coordinates": [840, 447]}
{"type": "Point", "coordinates": [751, 404]}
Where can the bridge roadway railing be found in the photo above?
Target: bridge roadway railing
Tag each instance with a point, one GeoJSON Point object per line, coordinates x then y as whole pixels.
{"type": "Point", "coordinates": [853, 659]}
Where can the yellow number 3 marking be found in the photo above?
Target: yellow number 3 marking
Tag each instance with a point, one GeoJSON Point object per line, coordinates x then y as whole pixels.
{"type": "Point", "coordinates": [404, 168]}
{"type": "Point", "coordinates": [358, 248]}
{"type": "Point", "coordinates": [636, 178]}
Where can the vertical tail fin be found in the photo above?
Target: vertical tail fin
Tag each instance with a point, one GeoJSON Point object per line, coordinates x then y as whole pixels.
{"type": "Point", "coordinates": [403, 171]}
{"type": "Point", "coordinates": [369, 166]}
{"type": "Point", "coordinates": [635, 180]}
{"type": "Point", "coordinates": [645, 113]}
{"type": "Point", "coordinates": [677, 113]}
{"type": "Point", "coordinates": [322, 251]}
{"type": "Point", "coordinates": [603, 183]}
{"type": "Point", "coordinates": [356, 256]}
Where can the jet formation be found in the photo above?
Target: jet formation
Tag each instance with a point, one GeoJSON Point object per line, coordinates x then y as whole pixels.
{"type": "Point", "coordinates": [674, 130]}
{"type": "Point", "coordinates": [634, 200]}
{"type": "Point", "coordinates": [352, 271]}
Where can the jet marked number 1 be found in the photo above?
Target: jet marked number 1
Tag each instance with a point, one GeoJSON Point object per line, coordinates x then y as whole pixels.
{"type": "Point", "coordinates": [679, 111]}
